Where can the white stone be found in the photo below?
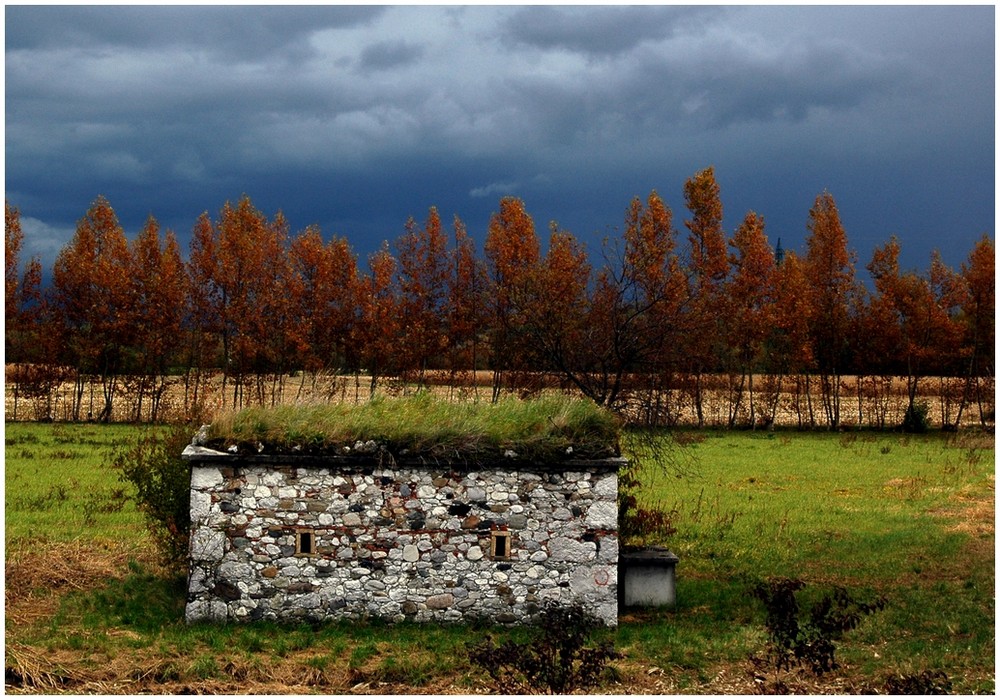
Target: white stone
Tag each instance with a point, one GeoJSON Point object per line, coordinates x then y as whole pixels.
{"type": "Point", "coordinates": [602, 515]}
{"type": "Point", "coordinates": [475, 553]}
{"type": "Point", "coordinates": [608, 549]}
{"type": "Point", "coordinates": [207, 544]}
{"type": "Point", "coordinates": [201, 505]}
{"type": "Point", "coordinates": [606, 487]}
{"type": "Point", "coordinates": [411, 553]}
{"type": "Point", "coordinates": [205, 477]}
{"type": "Point", "coordinates": [566, 549]}
{"type": "Point", "coordinates": [475, 494]}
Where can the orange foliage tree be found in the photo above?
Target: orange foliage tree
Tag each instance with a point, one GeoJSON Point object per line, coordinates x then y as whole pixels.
{"type": "Point", "coordinates": [377, 332]}
{"type": "Point", "coordinates": [920, 307]}
{"type": "Point", "coordinates": [158, 282]}
{"type": "Point", "coordinates": [553, 315]}
{"type": "Point", "coordinates": [751, 292]}
{"type": "Point", "coordinates": [240, 277]}
{"type": "Point", "coordinates": [979, 315]}
{"type": "Point", "coordinates": [788, 348]}
{"type": "Point", "coordinates": [22, 292]}
{"type": "Point", "coordinates": [634, 321]}
{"type": "Point", "coordinates": [709, 269]}
{"type": "Point", "coordinates": [829, 267]}
{"type": "Point", "coordinates": [324, 290]}
{"type": "Point", "coordinates": [91, 293]}
{"type": "Point", "coordinates": [423, 294]}
{"type": "Point", "coordinates": [512, 254]}
{"type": "Point", "coordinates": [465, 317]}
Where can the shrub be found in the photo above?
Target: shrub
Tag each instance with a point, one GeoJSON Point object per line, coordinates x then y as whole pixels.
{"type": "Point", "coordinates": [808, 640]}
{"type": "Point", "coordinates": [152, 464]}
{"type": "Point", "coordinates": [554, 660]}
{"type": "Point", "coordinates": [916, 419]}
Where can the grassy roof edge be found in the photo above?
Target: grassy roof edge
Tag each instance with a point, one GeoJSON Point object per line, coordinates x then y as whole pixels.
{"type": "Point", "coordinates": [548, 427]}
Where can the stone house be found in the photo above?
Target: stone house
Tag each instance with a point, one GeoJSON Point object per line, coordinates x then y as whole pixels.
{"type": "Point", "coordinates": [366, 535]}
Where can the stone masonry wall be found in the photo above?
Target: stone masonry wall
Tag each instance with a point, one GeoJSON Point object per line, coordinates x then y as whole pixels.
{"type": "Point", "coordinates": [400, 542]}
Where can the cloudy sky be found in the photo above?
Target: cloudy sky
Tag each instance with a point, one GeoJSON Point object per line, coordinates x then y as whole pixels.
{"type": "Point", "coordinates": [355, 118]}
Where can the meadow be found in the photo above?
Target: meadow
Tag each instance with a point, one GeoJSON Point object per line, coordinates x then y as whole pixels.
{"type": "Point", "coordinates": [908, 518]}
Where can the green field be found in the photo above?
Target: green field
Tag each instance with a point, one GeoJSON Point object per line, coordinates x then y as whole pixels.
{"type": "Point", "coordinates": [908, 518]}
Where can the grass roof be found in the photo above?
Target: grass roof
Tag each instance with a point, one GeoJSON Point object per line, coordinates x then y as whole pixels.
{"type": "Point", "coordinates": [551, 427]}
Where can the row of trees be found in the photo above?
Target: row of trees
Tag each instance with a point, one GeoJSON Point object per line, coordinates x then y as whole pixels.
{"type": "Point", "coordinates": [651, 318]}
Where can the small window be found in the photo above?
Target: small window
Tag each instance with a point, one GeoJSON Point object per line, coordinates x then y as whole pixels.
{"type": "Point", "coordinates": [500, 545]}
{"type": "Point", "coordinates": [305, 543]}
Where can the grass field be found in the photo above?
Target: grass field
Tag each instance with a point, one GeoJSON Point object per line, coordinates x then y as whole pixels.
{"type": "Point", "coordinates": [908, 518]}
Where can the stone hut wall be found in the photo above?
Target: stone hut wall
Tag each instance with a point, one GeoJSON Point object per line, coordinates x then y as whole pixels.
{"type": "Point", "coordinates": [326, 538]}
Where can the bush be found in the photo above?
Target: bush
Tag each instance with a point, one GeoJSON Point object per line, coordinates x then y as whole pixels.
{"type": "Point", "coordinates": [554, 660]}
{"type": "Point", "coordinates": [152, 464]}
{"type": "Point", "coordinates": [808, 640]}
{"type": "Point", "coordinates": [916, 419]}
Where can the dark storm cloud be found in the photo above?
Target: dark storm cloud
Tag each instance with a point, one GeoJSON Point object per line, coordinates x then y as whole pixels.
{"type": "Point", "coordinates": [232, 31]}
{"type": "Point", "coordinates": [597, 30]}
{"type": "Point", "coordinates": [388, 54]}
{"type": "Point", "coordinates": [356, 118]}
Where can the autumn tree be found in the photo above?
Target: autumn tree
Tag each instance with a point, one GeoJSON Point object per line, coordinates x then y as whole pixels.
{"type": "Point", "coordinates": [465, 304]}
{"type": "Point", "coordinates": [920, 306]}
{"type": "Point", "coordinates": [240, 277]}
{"type": "Point", "coordinates": [829, 269]}
{"type": "Point", "coordinates": [512, 253]}
{"type": "Point", "coordinates": [203, 324]}
{"type": "Point", "coordinates": [635, 310]}
{"type": "Point", "coordinates": [92, 294]}
{"type": "Point", "coordinates": [378, 328]}
{"type": "Point", "coordinates": [709, 268]}
{"type": "Point", "coordinates": [423, 291]}
{"type": "Point", "coordinates": [876, 343]}
{"type": "Point", "coordinates": [751, 291]}
{"type": "Point", "coordinates": [325, 293]}
{"type": "Point", "coordinates": [979, 315]}
{"type": "Point", "coordinates": [158, 287]}
{"type": "Point", "coordinates": [22, 291]}
{"type": "Point", "coordinates": [554, 314]}
{"type": "Point", "coordinates": [788, 348]}
{"type": "Point", "coordinates": [30, 346]}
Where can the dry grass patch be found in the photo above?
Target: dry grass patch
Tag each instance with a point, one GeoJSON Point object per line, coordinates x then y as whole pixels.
{"type": "Point", "coordinates": [38, 573]}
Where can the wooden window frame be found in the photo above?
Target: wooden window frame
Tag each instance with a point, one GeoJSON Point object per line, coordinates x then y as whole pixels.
{"type": "Point", "coordinates": [305, 542]}
{"type": "Point", "coordinates": [501, 544]}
